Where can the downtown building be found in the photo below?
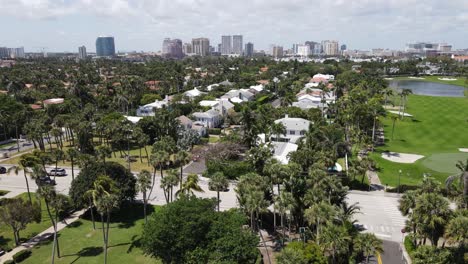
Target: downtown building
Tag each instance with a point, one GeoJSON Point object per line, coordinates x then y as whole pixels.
{"type": "Point", "coordinates": [277, 51]}
{"type": "Point", "coordinates": [249, 49]}
{"type": "Point", "coordinates": [226, 45]}
{"type": "Point", "coordinates": [330, 48]}
{"type": "Point", "coordinates": [105, 46]}
{"type": "Point", "coordinates": [12, 53]}
{"type": "Point", "coordinates": [187, 48]}
{"type": "Point", "coordinates": [82, 54]}
{"type": "Point", "coordinates": [303, 50]}
{"type": "Point", "coordinates": [237, 44]}
{"type": "Point", "coordinates": [201, 46]}
{"type": "Point", "coordinates": [172, 48]}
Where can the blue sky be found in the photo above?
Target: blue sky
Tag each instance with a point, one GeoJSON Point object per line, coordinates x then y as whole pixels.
{"type": "Point", "coordinates": [141, 25]}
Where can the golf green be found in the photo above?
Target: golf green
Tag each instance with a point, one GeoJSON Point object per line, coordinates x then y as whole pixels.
{"type": "Point", "coordinates": [444, 162]}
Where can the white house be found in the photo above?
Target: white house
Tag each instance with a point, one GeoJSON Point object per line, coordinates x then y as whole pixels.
{"type": "Point", "coordinates": [239, 96]}
{"type": "Point", "coordinates": [312, 98]}
{"type": "Point", "coordinates": [220, 105]}
{"type": "Point", "coordinates": [133, 119]}
{"type": "Point", "coordinates": [193, 93]}
{"type": "Point", "coordinates": [295, 129]}
{"type": "Point", "coordinates": [328, 77]}
{"type": "Point", "coordinates": [189, 124]}
{"type": "Point", "coordinates": [210, 118]}
{"type": "Point", "coordinates": [148, 110]}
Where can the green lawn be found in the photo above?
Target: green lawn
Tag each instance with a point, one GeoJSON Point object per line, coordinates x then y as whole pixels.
{"type": "Point", "coordinates": [438, 128]}
{"type": "Point", "coordinates": [6, 233]}
{"type": "Point", "coordinates": [79, 243]}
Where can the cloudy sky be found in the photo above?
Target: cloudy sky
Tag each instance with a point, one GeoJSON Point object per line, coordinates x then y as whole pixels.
{"type": "Point", "coordinates": [141, 25]}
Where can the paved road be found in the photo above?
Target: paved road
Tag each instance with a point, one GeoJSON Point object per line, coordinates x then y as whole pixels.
{"type": "Point", "coordinates": [16, 184]}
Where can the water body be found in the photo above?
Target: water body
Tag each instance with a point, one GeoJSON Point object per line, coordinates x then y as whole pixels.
{"type": "Point", "coordinates": [428, 88]}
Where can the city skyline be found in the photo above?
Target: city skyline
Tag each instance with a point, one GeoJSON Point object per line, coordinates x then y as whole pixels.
{"type": "Point", "coordinates": [65, 25]}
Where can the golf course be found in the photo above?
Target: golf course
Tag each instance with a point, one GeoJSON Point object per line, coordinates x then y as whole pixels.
{"type": "Point", "coordinates": [437, 130]}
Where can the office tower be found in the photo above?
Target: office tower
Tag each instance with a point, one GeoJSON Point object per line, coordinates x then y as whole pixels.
{"type": "Point", "coordinates": [16, 53]}
{"type": "Point", "coordinates": [219, 48]}
{"type": "Point", "coordinates": [82, 53]}
{"type": "Point", "coordinates": [201, 46]}
{"type": "Point", "coordinates": [187, 48]}
{"type": "Point", "coordinates": [226, 44]}
{"type": "Point", "coordinates": [330, 47]}
{"type": "Point", "coordinates": [105, 46]}
{"type": "Point", "coordinates": [303, 50]}
{"type": "Point", "coordinates": [295, 48]}
{"type": "Point", "coordinates": [4, 53]}
{"type": "Point", "coordinates": [277, 51]}
{"type": "Point", "coordinates": [343, 47]}
{"type": "Point", "coordinates": [165, 46]}
{"type": "Point", "coordinates": [249, 49]}
{"type": "Point", "coordinates": [172, 48]}
{"type": "Point", "coordinates": [237, 44]}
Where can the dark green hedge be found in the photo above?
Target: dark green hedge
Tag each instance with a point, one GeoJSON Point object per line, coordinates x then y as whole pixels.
{"type": "Point", "coordinates": [231, 169]}
{"type": "Point", "coordinates": [21, 255]}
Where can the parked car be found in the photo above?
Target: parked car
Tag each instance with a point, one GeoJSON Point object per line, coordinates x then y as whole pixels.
{"type": "Point", "coordinates": [45, 180]}
{"type": "Point", "coordinates": [58, 172]}
{"type": "Point", "coordinates": [3, 170]}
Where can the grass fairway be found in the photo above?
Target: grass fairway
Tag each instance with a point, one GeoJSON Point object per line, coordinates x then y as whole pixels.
{"type": "Point", "coordinates": [79, 243]}
{"type": "Point", "coordinates": [6, 233]}
{"type": "Point", "coordinates": [439, 125]}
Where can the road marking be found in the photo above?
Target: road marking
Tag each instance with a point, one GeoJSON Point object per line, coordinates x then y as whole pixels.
{"type": "Point", "coordinates": [379, 258]}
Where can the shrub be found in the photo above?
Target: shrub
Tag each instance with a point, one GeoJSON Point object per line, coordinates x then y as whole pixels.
{"type": "Point", "coordinates": [231, 169]}
{"type": "Point", "coordinates": [214, 131]}
{"type": "Point", "coordinates": [10, 261]}
{"type": "Point", "coordinates": [409, 245]}
{"type": "Point", "coordinates": [21, 255]}
{"type": "Point", "coordinates": [204, 141]}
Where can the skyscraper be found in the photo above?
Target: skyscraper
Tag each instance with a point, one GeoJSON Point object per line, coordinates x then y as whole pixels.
{"type": "Point", "coordinates": [187, 48]}
{"type": "Point", "coordinates": [277, 51]}
{"type": "Point", "coordinates": [303, 50]}
{"type": "Point", "coordinates": [165, 46]}
{"type": "Point", "coordinates": [4, 52]}
{"type": "Point", "coordinates": [82, 53]}
{"type": "Point", "coordinates": [330, 47]}
{"type": "Point", "coordinates": [172, 48]}
{"type": "Point", "coordinates": [237, 44]}
{"type": "Point", "coordinates": [105, 46]}
{"type": "Point", "coordinates": [343, 47]}
{"type": "Point", "coordinates": [249, 49]}
{"type": "Point", "coordinates": [201, 46]}
{"type": "Point", "coordinates": [226, 44]}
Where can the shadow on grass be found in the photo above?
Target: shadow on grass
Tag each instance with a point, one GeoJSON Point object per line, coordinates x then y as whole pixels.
{"type": "Point", "coordinates": [126, 217]}
{"type": "Point", "coordinates": [4, 242]}
{"type": "Point", "coordinates": [86, 252]}
{"type": "Point", "coordinates": [75, 224]}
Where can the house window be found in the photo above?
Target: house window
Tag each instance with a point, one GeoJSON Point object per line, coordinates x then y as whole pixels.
{"type": "Point", "coordinates": [292, 132]}
{"type": "Point", "coordinates": [302, 132]}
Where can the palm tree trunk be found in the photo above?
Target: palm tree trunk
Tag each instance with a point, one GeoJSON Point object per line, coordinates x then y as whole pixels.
{"type": "Point", "coordinates": [465, 185]}
{"type": "Point", "coordinates": [145, 201]}
{"type": "Point", "coordinates": [104, 238]}
{"type": "Point", "coordinates": [107, 236]}
{"type": "Point", "coordinates": [141, 159]}
{"type": "Point", "coordinates": [218, 199]}
{"type": "Point", "coordinates": [72, 168]}
{"type": "Point", "coordinates": [17, 137]}
{"type": "Point", "coordinates": [27, 187]}
{"type": "Point", "coordinates": [56, 235]}
{"type": "Point", "coordinates": [264, 245]}
{"type": "Point", "coordinates": [181, 177]}
{"type": "Point", "coordinates": [147, 157]}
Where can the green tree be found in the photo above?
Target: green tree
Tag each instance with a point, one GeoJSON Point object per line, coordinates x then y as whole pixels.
{"type": "Point", "coordinates": [17, 214]}
{"type": "Point", "coordinates": [430, 254]}
{"type": "Point", "coordinates": [182, 158]}
{"type": "Point", "coordinates": [368, 245]}
{"type": "Point", "coordinates": [300, 253]}
{"type": "Point", "coordinates": [218, 182]}
{"type": "Point", "coordinates": [72, 154]}
{"type": "Point", "coordinates": [463, 179]}
{"type": "Point", "coordinates": [320, 214]}
{"type": "Point", "coordinates": [143, 186]}
{"type": "Point", "coordinates": [456, 231]}
{"type": "Point", "coordinates": [26, 162]}
{"type": "Point", "coordinates": [335, 240]}
{"type": "Point", "coordinates": [190, 185]}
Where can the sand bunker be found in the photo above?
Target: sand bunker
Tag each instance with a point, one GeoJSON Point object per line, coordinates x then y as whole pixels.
{"type": "Point", "coordinates": [463, 149]}
{"type": "Point", "coordinates": [404, 114]}
{"type": "Point", "coordinates": [401, 157]}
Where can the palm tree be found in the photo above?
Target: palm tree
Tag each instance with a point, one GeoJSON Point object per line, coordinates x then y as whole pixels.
{"type": "Point", "coordinates": [218, 182]}
{"type": "Point", "coordinates": [457, 231]}
{"type": "Point", "coordinates": [72, 154]}
{"type": "Point", "coordinates": [103, 152]}
{"type": "Point", "coordinates": [405, 94]}
{"type": "Point", "coordinates": [57, 154]}
{"type": "Point", "coordinates": [278, 129]}
{"type": "Point", "coordinates": [320, 213]}
{"type": "Point", "coordinates": [158, 159]}
{"type": "Point", "coordinates": [431, 214]}
{"type": "Point", "coordinates": [285, 203]}
{"type": "Point", "coordinates": [368, 244]}
{"type": "Point", "coordinates": [394, 119]}
{"type": "Point", "coordinates": [105, 200]}
{"type": "Point", "coordinates": [463, 178]}
{"type": "Point", "coordinates": [48, 193]}
{"type": "Point", "coordinates": [143, 185]}
{"type": "Point", "coordinates": [26, 162]}
{"type": "Point", "coordinates": [168, 183]}
{"type": "Point", "coordinates": [182, 158]}
{"type": "Point", "coordinates": [190, 185]}
{"type": "Point", "coordinates": [335, 240]}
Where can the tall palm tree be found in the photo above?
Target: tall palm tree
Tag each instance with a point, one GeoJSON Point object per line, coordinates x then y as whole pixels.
{"type": "Point", "coordinates": [143, 186]}
{"type": "Point", "coordinates": [190, 185]}
{"type": "Point", "coordinates": [103, 152]}
{"type": "Point", "coordinates": [218, 182]}
{"type": "Point", "coordinates": [48, 193]}
{"type": "Point", "coordinates": [57, 154]}
{"type": "Point", "coordinates": [182, 158]}
{"type": "Point", "coordinates": [405, 94]}
{"type": "Point", "coordinates": [168, 183]}
{"type": "Point", "coordinates": [368, 244]}
{"type": "Point", "coordinates": [278, 129]}
{"type": "Point", "coordinates": [431, 214]}
{"type": "Point", "coordinates": [72, 154]}
{"type": "Point", "coordinates": [335, 240]}
{"type": "Point", "coordinates": [320, 214]}
{"type": "Point", "coordinates": [26, 162]}
{"type": "Point", "coordinates": [284, 204]}
{"type": "Point", "coordinates": [158, 159]}
{"type": "Point", "coordinates": [463, 178]}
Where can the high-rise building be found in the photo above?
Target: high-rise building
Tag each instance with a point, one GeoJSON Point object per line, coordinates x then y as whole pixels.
{"type": "Point", "coordinates": [82, 53]}
{"type": "Point", "coordinates": [165, 46]}
{"type": "Point", "coordinates": [277, 51]}
{"type": "Point", "coordinates": [219, 48]}
{"type": "Point", "coordinates": [16, 53]}
{"type": "Point", "coordinates": [330, 47]}
{"type": "Point", "coordinates": [303, 50]}
{"type": "Point", "coordinates": [105, 46]}
{"type": "Point", "coordinates": [249, 49]}
{"type": "Point", "coordinates": [4, 52]}
{"type": "Point", "coordinates": [237, 44]}
{"type": "Point", "coordinates": [343, 47]}
{"type": "Point", "coordinates": [226, 44]}
{"type": "Point", "coordinates": [201, 46]}
{"type": "Point", "coordinates": [172, 48]}
{"type": "Point", "coordinates": [187, 48]}
{"type": "Point", "coordinates": [295, 48]}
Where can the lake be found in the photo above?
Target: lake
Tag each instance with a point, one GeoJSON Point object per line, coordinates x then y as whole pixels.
{"type": "Point", "coordinates": [428, 88]}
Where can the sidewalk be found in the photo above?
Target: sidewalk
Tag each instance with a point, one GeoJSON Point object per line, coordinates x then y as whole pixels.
{"type": "Point", "coordinates": [42, 236]}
